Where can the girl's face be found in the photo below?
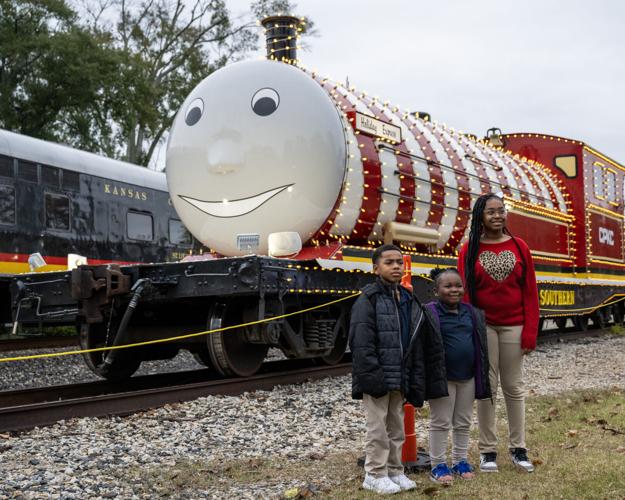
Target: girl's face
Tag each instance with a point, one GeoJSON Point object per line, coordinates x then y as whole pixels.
{"type": "Point", "coordinates": [449, 289]}
{"type": "Point", "coordinates": [494, 216]}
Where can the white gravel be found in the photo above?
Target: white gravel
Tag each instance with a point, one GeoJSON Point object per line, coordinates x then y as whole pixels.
{"type": "Point", "coordinates": [89, 458]}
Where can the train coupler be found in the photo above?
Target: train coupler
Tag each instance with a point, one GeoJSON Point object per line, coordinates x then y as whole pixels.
{"type": "Point", "coordinates": [94, 286]}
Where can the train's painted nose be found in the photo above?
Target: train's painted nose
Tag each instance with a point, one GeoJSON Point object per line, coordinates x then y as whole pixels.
{"type": "Point", "coordinates": [224, 157]}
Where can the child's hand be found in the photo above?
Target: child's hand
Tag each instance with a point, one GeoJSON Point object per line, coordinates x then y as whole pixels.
{"type": "Point", "coordinates": [527, 351]}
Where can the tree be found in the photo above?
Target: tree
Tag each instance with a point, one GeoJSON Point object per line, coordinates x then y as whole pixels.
{"type": "Point", "coordinates": [51, 72]}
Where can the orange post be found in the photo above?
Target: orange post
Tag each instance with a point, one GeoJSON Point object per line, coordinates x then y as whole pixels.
{"type": "Point", "coordinates": [409, 449]}
{"type": "Point", "coordinates": [406, 279]}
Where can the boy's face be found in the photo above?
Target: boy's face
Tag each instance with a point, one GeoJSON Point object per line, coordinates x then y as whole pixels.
{"type": "Point", "coordinates": [390, 266]}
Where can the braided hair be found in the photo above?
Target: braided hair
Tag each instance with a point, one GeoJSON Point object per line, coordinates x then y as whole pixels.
{"type": "Point", "coordinates": [437, 272]}
{"type": "Point", "coordinates": [473, 248]}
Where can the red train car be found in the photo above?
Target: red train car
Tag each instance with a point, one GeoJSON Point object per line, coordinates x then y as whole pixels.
{"type": "Point", "coordinates": [595, 184]}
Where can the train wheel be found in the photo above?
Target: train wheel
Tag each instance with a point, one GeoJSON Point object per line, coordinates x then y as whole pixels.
{"type": "Point", "coordinates": [561, 323]}
{"type": "Point", "coordinates": [599, 319]}
{"type": "Point", "coordinates": [617, 313]}
{"type": "Point", "coordinates": [125, 365]}
{"type": "Point", "coordinates": [581, 323]}
{"type": "Point", "coordinates": [230, 352]}
{"type": "Point", "coordinates": [340, 344]}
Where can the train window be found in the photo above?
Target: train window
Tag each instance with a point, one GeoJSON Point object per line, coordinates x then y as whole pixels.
{"type": "Point", "coordinates": [597, 179]}
{"type": "Point", "coordinates": [7, 204]}
{"type": "Point", "coordinates": [610, 185]}
{"type": "Point", "coordinates": [57, 212]}
{"type": "Point", "coordinates": [27, 170]}
{"type": "Point", "coordinates": [139, 226]}
{"type": "Point", "coordinates": [6, 166]}
{"type": "Point", "coordinates": [50, 176]}
{"type": "Point", "coordinates": [71, 180]}
{"type": "Point", "coordinates": [178, 234]}
{"type": "Point", "coordinates": [567, 164]}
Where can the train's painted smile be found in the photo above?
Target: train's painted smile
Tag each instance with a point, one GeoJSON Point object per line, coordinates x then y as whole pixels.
{"type": "Point", "coordinates": [234, 208]}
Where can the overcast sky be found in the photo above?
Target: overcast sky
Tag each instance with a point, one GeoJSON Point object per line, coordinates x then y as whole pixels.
{"type": "Point", "coordinates": [548, 66]}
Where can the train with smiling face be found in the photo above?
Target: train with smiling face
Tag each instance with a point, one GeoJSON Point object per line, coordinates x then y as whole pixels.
{"type": "Point", "coordinates": [291, 180]}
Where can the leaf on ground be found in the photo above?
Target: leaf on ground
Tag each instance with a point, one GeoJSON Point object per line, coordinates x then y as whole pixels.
{"type": "Point", "coordinates": [432, 491]}
{"type": "Point", "coordinates": [620, 449]}
{"type": "Point", "coordinates": [553, 412]}
{"type": "Point", "coordinates": [291, 493]}
{"type": "Point", "coordinates": [602, 422]}
{"type": "Point", "coordinates": [572, 432]}
{"type": "Point", "coordinates": [537, 461]}
{"type": "Point", "coordinates": [569, 446]}
{"type": "Point", "coordinates": [254, 463]}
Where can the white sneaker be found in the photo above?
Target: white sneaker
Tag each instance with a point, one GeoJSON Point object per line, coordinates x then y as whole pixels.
{"type": "Point", "coordinates": [488, 462]}
{"type": "Point", "coordinates": [403, 482]}
{"type": "Point", "coordinates": [381, 485]}
{"type": "Point", "coordinates": [519, 458]}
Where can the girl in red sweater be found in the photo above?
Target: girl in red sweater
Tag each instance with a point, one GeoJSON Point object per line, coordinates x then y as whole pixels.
{"type": "Point", "coordinates": [499, 278]}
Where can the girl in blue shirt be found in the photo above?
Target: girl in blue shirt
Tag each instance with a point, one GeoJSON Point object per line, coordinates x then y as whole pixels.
{"type": "Point", "coordinates": [463, 329]}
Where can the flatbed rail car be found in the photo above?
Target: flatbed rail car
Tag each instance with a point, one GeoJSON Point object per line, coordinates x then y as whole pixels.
{"type": "Point", "coordinates": [123, 305]}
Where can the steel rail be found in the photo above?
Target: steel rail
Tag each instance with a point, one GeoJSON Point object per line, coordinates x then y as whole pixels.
{"type": "Point", "coordinates": [23, 410]}
{"type": "Point", "coordinates": [21, 344]}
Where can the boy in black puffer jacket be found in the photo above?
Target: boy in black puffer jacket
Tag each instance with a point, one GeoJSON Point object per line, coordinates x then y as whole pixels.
{"type": "Point", "coordinates": [396, 355]}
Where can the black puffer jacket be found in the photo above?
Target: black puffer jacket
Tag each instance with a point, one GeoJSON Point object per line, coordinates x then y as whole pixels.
{"type": "Point", "coordinates": [379, 364]}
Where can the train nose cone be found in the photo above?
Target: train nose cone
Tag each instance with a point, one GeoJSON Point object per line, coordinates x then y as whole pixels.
{"type": "Point", "coordinates": [223, 157]}
{"type": "Point", "coordinates": [257, 148]}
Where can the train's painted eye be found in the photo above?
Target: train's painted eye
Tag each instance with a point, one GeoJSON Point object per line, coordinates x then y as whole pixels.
{"type": "Point", "coordinates": [265, 102]}
{"type": "Point", "coordinates": [194, 112]}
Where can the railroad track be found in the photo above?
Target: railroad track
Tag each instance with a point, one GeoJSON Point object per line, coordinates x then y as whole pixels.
{"type": "Point", "coordinates": [35, 342]}
{"type": "Point", "coordinates": [25, 409]}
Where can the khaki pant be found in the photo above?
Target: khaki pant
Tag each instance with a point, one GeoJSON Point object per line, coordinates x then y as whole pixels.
{"type": "Point", "coordinates": [385, 434]}
{"type": "Point", "coordinates": [506, 363]}
{"type": "Point", "coordinates": [452, 412]}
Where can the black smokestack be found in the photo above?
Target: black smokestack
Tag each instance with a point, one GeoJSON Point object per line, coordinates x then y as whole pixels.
{"type": "Point", "coordinates": [282, 33]}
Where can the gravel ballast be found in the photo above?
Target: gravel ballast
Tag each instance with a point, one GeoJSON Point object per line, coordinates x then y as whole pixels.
{"type": "Point", "coordinates": [92, 458]}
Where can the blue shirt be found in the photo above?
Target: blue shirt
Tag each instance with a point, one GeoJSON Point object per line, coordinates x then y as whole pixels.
{"type": "Point", "coordinates": [405, 311]}
{"type": "Point", "coordinates": [457, 333]}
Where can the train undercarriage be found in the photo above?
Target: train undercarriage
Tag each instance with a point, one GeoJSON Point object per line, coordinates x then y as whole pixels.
{"type": "Point", "coordinates": [250, 304]}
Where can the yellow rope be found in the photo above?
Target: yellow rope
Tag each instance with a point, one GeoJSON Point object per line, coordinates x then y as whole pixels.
{"type": "Point", "coordinates": [180, 337]}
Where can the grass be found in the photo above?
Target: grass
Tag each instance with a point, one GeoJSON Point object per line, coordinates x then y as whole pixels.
{"type": "Point", "coordinates": [576, 440]}
{"type": "Point", "coordinates": [617, 330]}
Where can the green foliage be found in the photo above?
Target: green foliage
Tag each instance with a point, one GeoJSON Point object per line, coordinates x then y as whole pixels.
{"type": "Point", "coordinates": [51, 71]}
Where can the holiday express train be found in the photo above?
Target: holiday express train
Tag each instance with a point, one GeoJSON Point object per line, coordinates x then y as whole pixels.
{"type": "Point", "coordinates": [265, 147]}
{"type": "Point", "coordinates": [56, 201]}
{"type": "Point", "coordinates": [292, 180]}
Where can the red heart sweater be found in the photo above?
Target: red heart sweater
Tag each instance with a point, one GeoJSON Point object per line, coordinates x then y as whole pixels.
{"type": "Point", "coordinates": [507, 295]}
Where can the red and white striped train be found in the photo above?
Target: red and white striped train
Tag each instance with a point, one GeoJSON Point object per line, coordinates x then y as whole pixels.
{"type": "Point", "coordinates": [261, 150]}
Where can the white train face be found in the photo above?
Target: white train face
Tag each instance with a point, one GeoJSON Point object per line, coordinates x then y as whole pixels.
{"type": "Point", "coordinates": [257, 148]}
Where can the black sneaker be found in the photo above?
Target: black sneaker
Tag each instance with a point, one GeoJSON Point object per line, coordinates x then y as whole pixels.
{"type": "Point", "coordinates": [488, 462]}
{"type": "Point", "coordinates": [519, 458]}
